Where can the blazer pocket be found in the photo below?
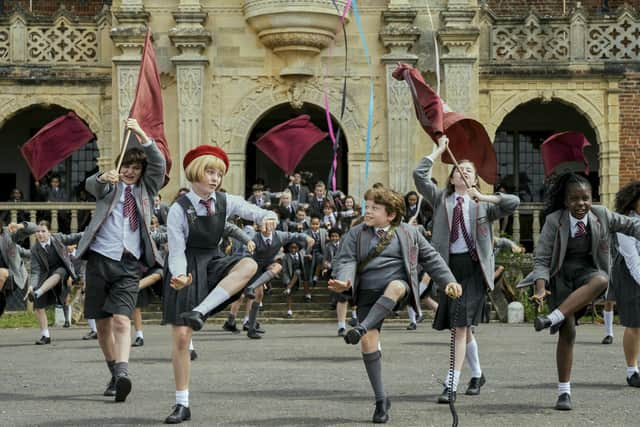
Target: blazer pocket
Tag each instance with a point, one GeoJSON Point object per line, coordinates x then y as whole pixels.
{"type": "Point", "coordinates": [484, 227]}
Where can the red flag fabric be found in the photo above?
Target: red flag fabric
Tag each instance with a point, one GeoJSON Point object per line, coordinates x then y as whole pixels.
{"type": "Point", "coordinates": [287, 143]}
{"type": "Point", "coordinates": [564, 148]}
{"type": "Point", "coordinates": [56, 141]}
{"type": "Point", "coordinates": [147, 104]}
{"type": "Point", "coordinates": [468, 139]}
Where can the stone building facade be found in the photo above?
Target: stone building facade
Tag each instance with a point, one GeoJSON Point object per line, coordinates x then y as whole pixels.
{"type": "Point", "coordinates": [231, 69]}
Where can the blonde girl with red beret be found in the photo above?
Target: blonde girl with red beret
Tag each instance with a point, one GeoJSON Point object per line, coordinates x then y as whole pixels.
{"type": "Point", "coordinates": [201, 280]}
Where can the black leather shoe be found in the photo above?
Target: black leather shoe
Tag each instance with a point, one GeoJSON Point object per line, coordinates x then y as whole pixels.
{"type": "Point", "coordinates": [354, 335]}
{"type": "Point", "coordinates": [412, 327]}
{"type": "Point", "coordinates": [420, 319]}
{"type": "Point", "coordinates": [230, 327]}
{"type": "Point", "coordinates": [249, 293]}
{"type": "Point", "coordinates": [353, 321]}
{"type": "Point", "coordinates": [474, 385]}
{"type": "Point", "coordinates": [193, 355]}
{"type": "Point", "coordinates": [110, 391]}
{"type": "Point", "coordinates": [123, 387]}
{"type": "Point", "coordinates": [66, 324]}
{"type": "Point", "coordinates": [253, 334]}
{"type": "Point", "coordinates": [258, 329]}
{"type": "Point", "coordinates": [43, 340]}
{"type": "Point", "coordinates": [381, 414]}
{"type": "Point", "coordinates": [541, 322]}
{"type": "Point", "coordinates": [634, 380]}
{"type": "Point", "coordinates": [607, 340]}
{"type": "Point", "coordinates": [564, 402]}
{"type": "Point", "coordinates": [180, 413]}
{"type": "Point", "coordinates": [444, 397]}
{"type": "Point", "coordinates": [90, 336]}
{"type": "Point", "coordinates": [139, 342]}
{"type": "Point", "coordinates": [341, 332]}
{"type": "Point", "coordinates": [193, 319]}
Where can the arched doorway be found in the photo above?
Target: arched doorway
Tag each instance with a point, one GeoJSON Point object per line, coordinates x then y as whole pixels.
{"type": "Point", "coordinates": [517, 145]}
{"type": "Point", "coordinates": [15, 173]}
{"type": "Point", "coordinates": [317, 161]}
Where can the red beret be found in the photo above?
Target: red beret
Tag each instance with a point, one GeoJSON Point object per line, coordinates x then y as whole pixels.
{"type": "Point", "coordinates": [205, 150]}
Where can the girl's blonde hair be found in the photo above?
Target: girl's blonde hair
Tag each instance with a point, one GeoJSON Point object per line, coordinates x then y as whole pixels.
{"type": "Point", "coordinates": [196, 170]}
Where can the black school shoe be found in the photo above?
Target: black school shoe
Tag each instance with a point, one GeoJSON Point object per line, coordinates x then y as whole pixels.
{"type": "Point", "coordinates": [341, 332]}
{"type": "Point", "coordinates": [230, 327]}
{"type": "Point", "coordinates": [245, 327]}
{"type": "Point", "coordinates": [444, 397]}
{"type": "Point", "coordinates": [354, 335]}
{"type": "Point", "coordinates": [193, 319]}
{"type": "Point", "coordinates": [139, 342]}
{"type": "Point", "coordinates": [607, 340]}
{"type": "Point", "coordinates": [474, 385]}
{"type": "Point", "coordinates": [43, 340]}
{"type": "Point", "coordinates": [110, 391]}
{"type": "Point", "coordinates": [381, 414]}
{"type": "Point", "coordinates": [564, 402]}
{"type": "Point", "coordinates": [90, 336]}
{"type": "Point", "coordinates": [412, 327]}
{"type": "Point", "coordinates": [634, 380]}
{"type": "Point", "coordinates": [353, 321]}
{"type": "Point", "coordinates": [180, 413]}
{"type": "Point", "coordinates": [193, 355]}
{"type": "Point", "coordinates": [123, 387]}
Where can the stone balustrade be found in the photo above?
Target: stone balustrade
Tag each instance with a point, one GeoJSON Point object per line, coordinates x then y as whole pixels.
{"type": "Point", "coordinates": [31, 209]}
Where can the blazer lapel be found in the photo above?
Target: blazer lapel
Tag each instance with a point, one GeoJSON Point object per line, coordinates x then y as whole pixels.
{"type": "Point", "coordinates": [565, 233]}
{"type": "Point", "coordinates": [594, 225]}
{"type": "Point", "coordinates": [365, 241]}
{"type": "Point", "coordinates": [473, 216]}
{"type": "Point", "coordinates": [403, 241]}
{"type": "Point", "coordinates": [449, 205]}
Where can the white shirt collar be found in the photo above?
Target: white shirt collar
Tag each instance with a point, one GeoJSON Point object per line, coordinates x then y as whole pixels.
{"type": "Point", "coordinates": [264, 238]}
{"type": "Point", "coordinates": [195, 199]}
{"type": "Point", "coordinates": [574, 221]}
{"type": "Point", "coordinates": [48, 242]}
{"type": "Point", "coordinates": [385, 229]}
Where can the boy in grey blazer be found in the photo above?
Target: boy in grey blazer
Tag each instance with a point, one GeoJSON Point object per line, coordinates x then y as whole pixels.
{"type": "Point", "coordinates": [115, 241]}
{"type": "Point", "coordinates": [379, 261]}
{"type": "Point", "coordinates": [12, 268]}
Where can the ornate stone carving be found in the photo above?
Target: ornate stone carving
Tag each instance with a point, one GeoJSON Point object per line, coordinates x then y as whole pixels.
{"type": "Point", "coordinates": [458, 86]}
{"type": "Point", "coordinates": [400, 126]}
{"type": "Point", "coordinates": [127, 80]}
{"type": "Point", "coordinates": [530, 42]}
{"type": "Point", "coordinates": [296, 30]}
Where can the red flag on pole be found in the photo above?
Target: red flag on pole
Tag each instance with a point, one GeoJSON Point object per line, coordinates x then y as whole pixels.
{"type": "Point", "coordinates": [147, 104]}
{"type": "Point", "coordinates": [564, 152]}
{"type": "Point", "coordinates": [56, 141]}
{"type": "Point", "coordinates": [287, 143]}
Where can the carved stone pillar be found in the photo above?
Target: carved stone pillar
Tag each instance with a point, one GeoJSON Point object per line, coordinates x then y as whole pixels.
{"type": "Point", "coordinates": [459, 38]}
{"type": "Point", "coordinates": [190, 37]}
{"type": "Point", "coordinates": [128, 36]}
{"type": "Point", "coordinates": [398, 36]}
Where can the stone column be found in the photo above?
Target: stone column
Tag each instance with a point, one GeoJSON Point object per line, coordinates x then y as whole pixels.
{"type": "Point", "coordinates": [398, 36]}
{"type": "Point", "coordinates": [190, 37]}
{"type": "Point", "coordinates": [459, 37]}
{"type": "Point", "coordinates": [128, 36]}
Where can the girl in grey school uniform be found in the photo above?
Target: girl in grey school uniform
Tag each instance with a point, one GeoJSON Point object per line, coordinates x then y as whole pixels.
{"type": "Point", "coordinates": [462, 234]}
{"type": "Point", "coordinates": [571, 264]}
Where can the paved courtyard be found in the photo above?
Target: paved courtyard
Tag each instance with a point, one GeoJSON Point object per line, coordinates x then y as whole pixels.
{"type": "Point", "coordinates": [303, 375]}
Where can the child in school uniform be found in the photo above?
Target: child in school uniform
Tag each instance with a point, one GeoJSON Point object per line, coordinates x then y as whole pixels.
{"type": "Point", "coordinates": [13, 272]}
{"type": "Point", "coordinates": [51, 266]}
{"type": "Point", "coordinates": [315, 254]}
{"type": "Point", "coordinates": [201, 280]}
{"type": "Point", "coordinates": [116, 240]}
{"type": "Point", "coordinates": [268, 244]}
{"type": "Point", "coordinates": [625, 281]}
{"type": "Point", "coordinates": [378, 260]}
{"type": "Point", "coordinates": [293, 273]}
{"type": "Point", "coordinates": [339, 300]}
{"type": "Point", "coordinates": [571, 264]}
{"type": "Point", "coordinates": [462, 234]}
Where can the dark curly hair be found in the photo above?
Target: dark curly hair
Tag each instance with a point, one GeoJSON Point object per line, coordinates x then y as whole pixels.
{"type": "Point", "coordinates": [557, 191]}
{"type": "Point", "coordinates": [627, 197]}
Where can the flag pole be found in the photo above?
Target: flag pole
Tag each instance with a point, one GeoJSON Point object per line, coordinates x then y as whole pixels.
{"type": "Point", "coordinates": [457, 166]}
{"type": "Point", "coordinates": [123, 148]}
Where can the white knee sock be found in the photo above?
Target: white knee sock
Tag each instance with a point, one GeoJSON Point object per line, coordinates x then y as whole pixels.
{"type": "Point", "coordinates": [456, 379]}
{"type": "Point", "coordinates": [139, 334]}
{"type": "Point", "coordinates": [354, 314]}
{"type": "Point", "coordinates": [45, 333]}
{"type": "Point", "coordinates": [608, 322]}
{"type": "Point", "coordinates": [564, 388]}
{"type": "Point", "coordinates": [556, 317]}
{"type": "Point", "coordinates": [412, 314]}
{"type": "Point", "coordinates": [182, 398]}
{"type": "Point", "coordinates": [631, 370]}
{"type": "Point", "coordinates": [342, 324]}
{"type": "Point", "coordinates": [190, 345]}
{"type": "Point", "coordinates": [92, 324]}
{"type": "Point", "coordinates": [213, 300]}
{"type": "Point", "coordinates": [471, 357]}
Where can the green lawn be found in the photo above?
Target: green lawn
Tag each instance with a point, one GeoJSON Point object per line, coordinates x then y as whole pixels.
{"type": "Point", "coordinates": [22, 319]}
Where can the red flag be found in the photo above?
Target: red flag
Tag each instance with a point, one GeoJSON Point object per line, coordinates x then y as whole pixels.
{"type": "Point", "coordinates": [468, 139]}
{"type": "Point", "coordinates": [147, 104]}
{"type": "Point", "coordinates": [287, 143]}
{"type": "Point", "coordinates": [56, 141]}
{"type": "Point", "coordinates": [564, 148]}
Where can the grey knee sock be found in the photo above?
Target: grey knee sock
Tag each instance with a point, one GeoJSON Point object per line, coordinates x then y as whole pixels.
{"type": "Point", "coordinates": [264, 278]}
{"type": "Point", "coordinates": [253, 315]}
{"type": "Point", "coordinates": [378, 312]}
{"type": "Point", "coordinates": [65, 310]}
{"type": "Point", "coordinates": [231, 319]}
{"type": "Point", "coordinates": [373, 364]}
{"type": "Point", "coordinates": [110, 365]}
{"type": "Point", "coordinates": [120, 368]}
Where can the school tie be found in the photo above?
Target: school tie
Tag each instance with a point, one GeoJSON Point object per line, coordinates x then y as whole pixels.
{"type": "Point", "coordinates": [380, 232]}
{"type": "Point", "coordinates": [458, 223]}
{"type": "Point", "coordinates": [207, 204]}
{"type": "Point", "coordinates": [268, 242]}
{"type": "Point", "coordinates": [581, 229]}
{"type": "Point", "coordinates": [130, 208]}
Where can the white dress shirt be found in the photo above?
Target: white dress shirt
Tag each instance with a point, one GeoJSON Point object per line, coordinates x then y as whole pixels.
{"type": "Point", "coordinates": [460, 245]}
{"type": "Point", "coordinates": [574, 223]}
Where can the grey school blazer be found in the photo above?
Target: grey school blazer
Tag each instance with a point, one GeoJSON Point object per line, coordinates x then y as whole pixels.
{"type": "Point", "coordinates": [415, 250]}
{"type": "Point", "coordinates": [552, 245]}
{"type": "Point", "coordinates": [481, 216]}
{"type": "Point", "coordinates": [11, 254]}
{"type": "Point", "coordinates": [107, 196]}
{"type": "Point", "coordinates": [39, 263]}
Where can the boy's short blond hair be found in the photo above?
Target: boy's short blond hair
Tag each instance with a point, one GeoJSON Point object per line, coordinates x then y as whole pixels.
{"type": "Point", "coordinates": [196, 170]}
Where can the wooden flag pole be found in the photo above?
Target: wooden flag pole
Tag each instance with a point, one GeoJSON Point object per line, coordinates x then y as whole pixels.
{"type": "Point", "coordinates": [457, 166]}
{"type": "Point", "coordinates": [123, 148]}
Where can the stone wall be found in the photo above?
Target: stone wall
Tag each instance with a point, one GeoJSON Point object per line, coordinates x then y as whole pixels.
{"type": "Point", "coordinates": [49, 7]}
{"type": "Point", "coordinates": [552, 8]}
